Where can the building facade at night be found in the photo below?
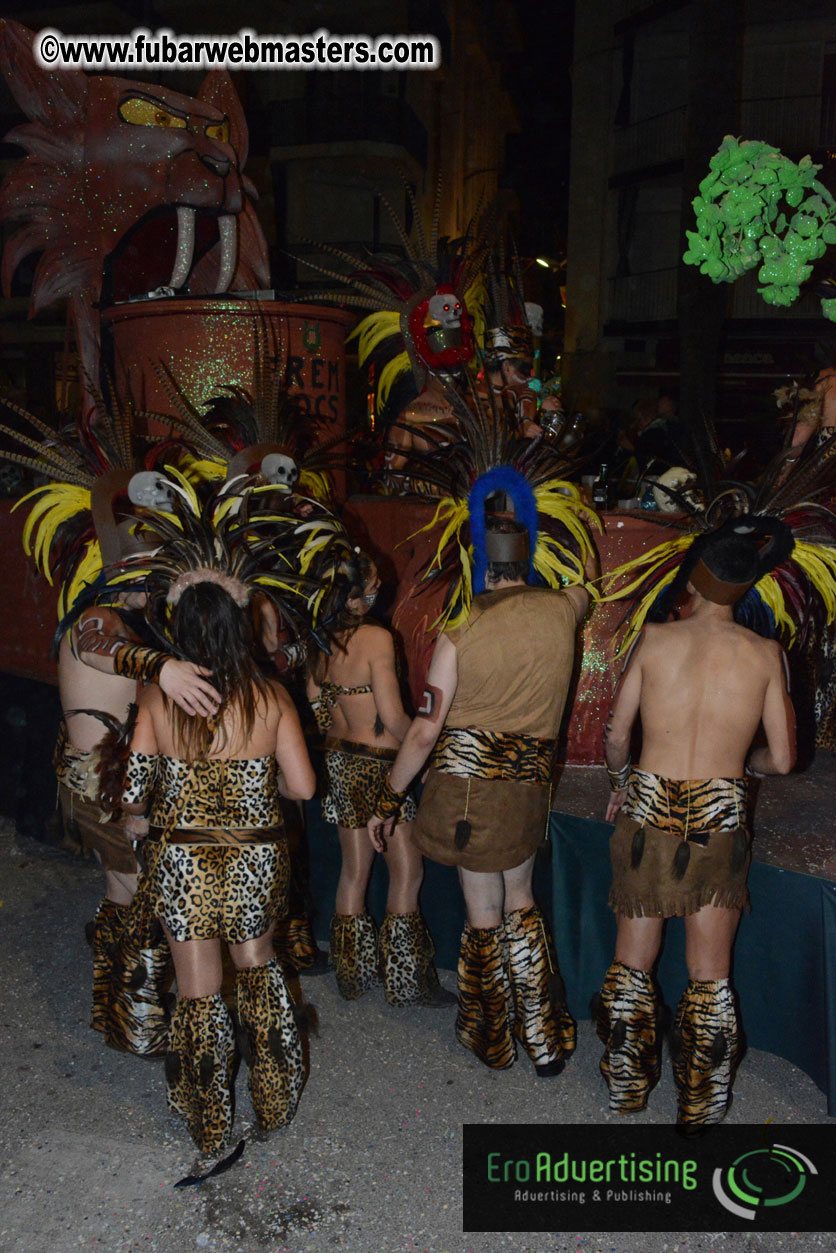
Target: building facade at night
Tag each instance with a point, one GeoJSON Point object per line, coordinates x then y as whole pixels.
{"type": "Point", "coordinates": [655, 89]}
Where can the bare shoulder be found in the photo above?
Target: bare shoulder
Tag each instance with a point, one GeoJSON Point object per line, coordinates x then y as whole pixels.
{"type": "Point", "coordinates": [151, 702]}
{"type": "Point", "coordinates": [769, 652]}
{"type": "Point", "coordinates": [151, 697]}
{"type": "Point", "coordinates": [374, 638]}
{"type": "Point", "coordinates": [656, 635]}
{"type": "Point", "coordinates": [278, 696]}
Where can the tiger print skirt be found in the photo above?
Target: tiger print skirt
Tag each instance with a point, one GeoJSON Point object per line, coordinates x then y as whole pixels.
{"type": "Point", "coordinates": [679, 844]}
{"type": "Point", "coordinates": [493, 785]}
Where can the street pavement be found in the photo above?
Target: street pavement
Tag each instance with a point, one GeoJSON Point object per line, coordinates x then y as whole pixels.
{"type": "Point", "coordinates": [371, 1163]}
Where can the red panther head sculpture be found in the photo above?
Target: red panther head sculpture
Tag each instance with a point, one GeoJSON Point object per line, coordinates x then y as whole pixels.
{"type": "Point", "coordinates": [108, 157]}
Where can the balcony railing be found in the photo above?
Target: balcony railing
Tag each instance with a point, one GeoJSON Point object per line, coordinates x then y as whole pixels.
{"type": "Point", "coordinates": [795, 124]}
{"type": "Point", "coordinates": [647, 297]}
{"type": "Point", "coordinates": [746, 303]}
{"type": "Point", "coordinates": [652, 141]}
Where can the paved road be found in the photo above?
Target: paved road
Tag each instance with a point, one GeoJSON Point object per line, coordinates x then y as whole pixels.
{"type": "Point", "coordinates": [371, 1163]}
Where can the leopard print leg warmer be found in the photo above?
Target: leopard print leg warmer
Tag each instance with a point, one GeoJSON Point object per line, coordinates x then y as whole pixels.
{"type": "Point", "coordinates": [270, 1043]}
{"type": "Point", "coordinates": [199, 1068]}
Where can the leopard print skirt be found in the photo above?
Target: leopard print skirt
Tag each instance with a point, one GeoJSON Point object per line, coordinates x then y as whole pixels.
{"type": "Point", "coordinates": [354, 773]}
{"type": "Point", "coordinates": [216, 891]}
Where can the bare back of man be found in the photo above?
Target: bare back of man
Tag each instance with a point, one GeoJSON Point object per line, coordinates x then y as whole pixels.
{"type": "Point", "coordinates": [702, 687]}
{"type": "Point", "coordinates": [706, 684]}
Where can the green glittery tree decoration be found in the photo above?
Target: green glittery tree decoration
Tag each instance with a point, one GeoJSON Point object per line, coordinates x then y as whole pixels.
{"type": "Point", "coordinates": [757, 207]}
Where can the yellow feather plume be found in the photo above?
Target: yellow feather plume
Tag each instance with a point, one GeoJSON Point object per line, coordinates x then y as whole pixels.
{"type": "Point", "coordinates": [556, 564]}
{"type": "Point", "coordinates": [390, 374]}
{"type": "Point", "coordinates": [202, 470]}
{"type": "Point", "coordinates": [474, 299]}
{"type": "Point", "coordinates": [55, 504]}
{"type": "Point", "coordinates": [89, 569]}
{"type": "Point", "coordinates": [315, 483]}
{"type": "Point", "coordinates": [373, 330]}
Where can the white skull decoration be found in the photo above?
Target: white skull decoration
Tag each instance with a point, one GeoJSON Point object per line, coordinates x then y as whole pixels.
{"type": "Point", "coordinates": [534, 317]}
{"type": "Point", "coordinates": [150, 490]}
{"type": "Point", "coordinates": [280, 470]}
{"type": "Point", "coordinates": [444, 310]}
{"type": "Point", "coordinates": [681, 481]}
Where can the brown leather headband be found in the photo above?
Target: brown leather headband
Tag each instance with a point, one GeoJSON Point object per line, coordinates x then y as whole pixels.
{"type": "Point", "coordinates": [718, 591]}
{"type": "Point", "coordinates": [506, 546]}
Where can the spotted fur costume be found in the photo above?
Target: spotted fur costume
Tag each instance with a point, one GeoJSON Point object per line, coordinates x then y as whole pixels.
{"type": "Point", "coordinates": [222, 872]}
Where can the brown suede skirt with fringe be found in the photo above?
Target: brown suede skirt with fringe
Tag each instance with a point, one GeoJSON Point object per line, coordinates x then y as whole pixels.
{"type": "Point", "coordinates": [88, 830]}
{"type": "Point", "coordinates": [649, 880]}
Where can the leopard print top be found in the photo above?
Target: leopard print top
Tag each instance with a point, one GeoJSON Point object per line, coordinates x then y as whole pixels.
{"type": "Point", "coordinates": [237, 793]}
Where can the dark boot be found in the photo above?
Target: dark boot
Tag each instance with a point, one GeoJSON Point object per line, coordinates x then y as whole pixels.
{"type": "Point", "coordinates": [629, 1024]}
{"type": "Point", "coordinates": [354, 954]}
{"type": "Point", "coordinates": [705, 1049]}
{"type": "Point", "coordinates": [105, 930]}
{"type": "Point", "coordinates": [543, 1024]}
{"type": "Point", "coordinates": [270, 1043]}
{"type": "Point", "coordinates": [199, 1069]}
{"type": "Point", "coordinates": [406, 960]}
{"type": "Point", "coordinates": [485, 1021]}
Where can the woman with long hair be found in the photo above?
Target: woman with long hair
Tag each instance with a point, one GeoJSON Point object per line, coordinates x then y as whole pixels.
{"type": "Point", "coordinates": [210, 787]}
{"type": "Point", "coordinates": [355, 694]}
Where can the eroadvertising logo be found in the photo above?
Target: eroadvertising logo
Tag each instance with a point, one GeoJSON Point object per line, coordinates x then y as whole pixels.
{"type": "Point", "coordinates": [767, 1177]}
{"type": "Point", "coordinates": [630, 1177]}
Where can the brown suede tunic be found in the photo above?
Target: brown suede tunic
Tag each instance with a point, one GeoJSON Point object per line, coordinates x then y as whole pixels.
{"type": "Point", "coordinates": [515, 655]}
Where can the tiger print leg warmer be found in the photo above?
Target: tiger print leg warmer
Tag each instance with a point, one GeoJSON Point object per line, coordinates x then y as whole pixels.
{"type": "Point", "coordinates": [543, 1024]}
{"type": "Point", "coordinates": [406, 959]}
{"type": "Point", "coordinates": [629, 1023]}
{"type": "Point", "coordinates": [137, 1015]}
{"type": "Point", "coordinates": [353, 940]}
{"type": "Point", "coordinates": [107, 926]}
{"type": "Point", "coordinates": [199, 1068]}
{"type": "Point", "coordinates": [485, 1021]}
{"type": "Point", "coordinates": [270, 1043]}
{"type": "Point", "coordinates": [705, 1048]}
{"type": "Point", "coordinates": [294, 942]}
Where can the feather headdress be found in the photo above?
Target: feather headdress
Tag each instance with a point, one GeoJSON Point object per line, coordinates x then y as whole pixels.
{"type": "Point", "coordinates": [425, 302]}
{"type": "Point", "coordinates": [508, 333]}
{"type": "Point", "coordinates": [241, 427]}
{"type": "Point", "coordinates": [787, 516]}
{"type": "Point", "coordinates": [484, 457]}
{"type": "Point", "coordinates": [71, 530]}
{"type": "Point", "coordinates": [233, 538]}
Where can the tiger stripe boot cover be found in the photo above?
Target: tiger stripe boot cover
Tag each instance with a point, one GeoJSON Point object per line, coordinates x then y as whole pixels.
{"type": "Point", "coordinates": [543, 1024]}
{"type": "Point", "coordinates": [137, 1014]}
{"type": "Point", "coordinates": [353, 941]}
{"type": "Point", "coordinates": [705, 1050]}
{"type": "Point", "coordinates": [406, 960]}
{"type": "Point", "coordinates": [107, 926]}
{"type": "Point", "coordinates": [199, 1069]}
{"type": "Point", "coordinates": [270, 1043]}
{"type": "Point", "coordinates": [485, 1021]}
{"type": "Point", "coordinates": [294, 941]}
{"type": "Point", "coordinates": [628, 1011]}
